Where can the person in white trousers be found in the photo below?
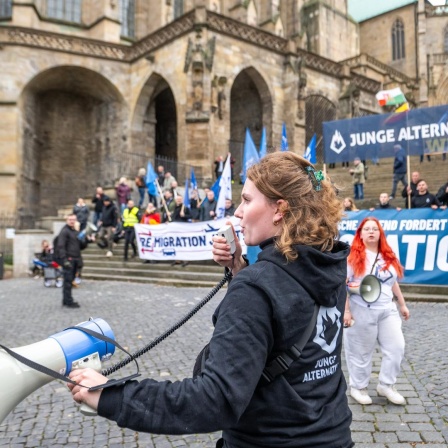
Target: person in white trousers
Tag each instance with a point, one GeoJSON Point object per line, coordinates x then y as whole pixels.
{"type": "Point", "coordinates": [368, 323]}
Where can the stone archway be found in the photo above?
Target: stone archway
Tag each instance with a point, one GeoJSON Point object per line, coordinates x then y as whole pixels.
{"type": "Point", "coordinates": [441, 96]}
{"type": "Point", "coordinates": [154, 126]}
{"type": "Point", "coordinates": [73, 120]}
{"type": "Point", "coordinates": [317, 110]}
{"type": "Point", "coordinates": [250, 106]}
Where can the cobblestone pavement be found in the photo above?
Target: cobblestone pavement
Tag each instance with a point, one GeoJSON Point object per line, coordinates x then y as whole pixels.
{"type": "Point", "coordinates": [138, 313]}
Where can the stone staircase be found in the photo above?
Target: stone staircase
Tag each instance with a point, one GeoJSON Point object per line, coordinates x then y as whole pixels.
{"type": "Point", "coordinates": [380, 179]}
{"type": "Point", "coordinates": [196, 274]}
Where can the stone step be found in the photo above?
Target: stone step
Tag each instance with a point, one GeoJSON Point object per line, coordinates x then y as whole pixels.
{"type": "Point", "coordinates": [198, 280]}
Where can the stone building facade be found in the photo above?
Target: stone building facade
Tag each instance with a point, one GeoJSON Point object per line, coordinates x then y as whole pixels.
{"type": "Point", "coordinates": [86, 85]}
{"type": "Point", "coordinates": [425, 47]}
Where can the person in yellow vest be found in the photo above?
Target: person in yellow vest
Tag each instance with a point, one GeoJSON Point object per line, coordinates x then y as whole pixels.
{"type": "Point", "coordinates": [131, 216]}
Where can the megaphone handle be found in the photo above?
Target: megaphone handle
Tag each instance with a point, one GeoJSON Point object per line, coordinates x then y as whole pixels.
{"type": "Point", "coordinates": [88, 411]}
{"type": "Point", "coordinates": [92, 361]}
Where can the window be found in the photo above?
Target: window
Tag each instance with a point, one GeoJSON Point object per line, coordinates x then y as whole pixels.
{"type": "Point", "coordinates": [5, 8]}
{"type": "Point", "coordinates": [178, 8]}
{"type": "Point", "coordinates": [69, 10]}
{"type": "Point", "coordinates": [445, 41]}
{"type": "Point", "coordinates": [127, 17]}
{"type": "Point", "coordinates": [398, 40]}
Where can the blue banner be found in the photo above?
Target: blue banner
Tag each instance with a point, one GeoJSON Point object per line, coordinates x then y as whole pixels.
{"type": "Point", "coordinates": [418, 131]}
{"type": "Point", "coordinates": [419, 237]}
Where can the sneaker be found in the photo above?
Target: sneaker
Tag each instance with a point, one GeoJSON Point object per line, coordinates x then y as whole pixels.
{"type": "Point", "coordinates": [384, 390]}
{"type": "Point", "coordinates": [391, 197]}
{"type": "Point", "coordinates": [360, 395]}
{"type": "Point", "coordinates": [72, 305]}
{"type": "Point", "coordinates": [109, 253]}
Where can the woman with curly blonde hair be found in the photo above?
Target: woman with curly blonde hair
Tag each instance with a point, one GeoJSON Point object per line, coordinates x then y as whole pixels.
{"type": "Point", "coordinates": [271, 375]}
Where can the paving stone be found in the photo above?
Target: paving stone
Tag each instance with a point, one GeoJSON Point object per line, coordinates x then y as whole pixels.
{"type": "Point", "coordinates": [138, 313]}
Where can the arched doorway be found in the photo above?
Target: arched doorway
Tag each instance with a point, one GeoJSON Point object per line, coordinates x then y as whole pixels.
{"type": "Point", "coordinates": [317, 110]}
{"type": "Point", "coordinates": [250, 106]}
{"type": "Point", "coordinates": [155, 124]}
{"type": "Point", "coordinates": [72, 120]}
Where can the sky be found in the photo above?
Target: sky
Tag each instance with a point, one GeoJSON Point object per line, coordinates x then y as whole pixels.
{"type": "Point", "coordinates": [365, 9]}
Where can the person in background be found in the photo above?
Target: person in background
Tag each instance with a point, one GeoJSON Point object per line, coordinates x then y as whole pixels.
{"type": "Point", "coordinates": [195, 204]}
{"type": "Point", "coordinates": [82, 213]}
{"type": "Point", "coordinates": [123, 192]}
{"type": "Point", "coordinates": [151, 215]}
{"type": "Point", "coordinates": [229, 208]}
{"type": "Point", "coordinates": [108, 225]}
{"type": "Point", "coordinates": [400, 170]}
{"type": "Point", "coordinates": [167, 181]}
{"type": "Point", "coordinates": [358, 178]}
{"type": "Point", "coordinates": [442, 194]}
{"type": "Point", "coordinates": [69, 253]}
{"type": "Point", "coordinates": [140, 183]}
{"type": "Point", "coordinates": [384, 204]}
{"type": "Point", "coordinates": [369, 323]}
{"type": "Point", "coordinates": [131, 216]}
{"type": "Point", "coordinates": [411, 189]}
{"type": "Point", "coordinates": [160, 175]}
{"type": "Point", "coordinates": [98, 201]}
{"type": "Point", "coordinates": [424, 199]}
{"type": "Point", "coordinates": [293, 213]}
{"type": "Point", "coordinates": [208, 207]}
{"type": "Point", "coordinates": [219, 166]}
{"type": "Point", "coordinates": [170, 204]}
{"type": "Point", "coordinates": [349, 205]}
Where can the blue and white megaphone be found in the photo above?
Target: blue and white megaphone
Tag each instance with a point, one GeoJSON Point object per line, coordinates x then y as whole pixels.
{"type": "Point", "coordinates": [63, 352]}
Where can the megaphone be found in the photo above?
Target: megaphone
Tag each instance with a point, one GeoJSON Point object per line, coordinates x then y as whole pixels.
{"type": "Point", "coordinates": [369, 288]}
{"type": "Point", "coordinates": [63, 352]}
{"type": "Point", "coordinates": [89, 230]}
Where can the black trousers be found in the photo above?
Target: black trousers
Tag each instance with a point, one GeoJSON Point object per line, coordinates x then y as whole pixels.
{"type": "Point", "coordinates": [69, 276]}
{"type": "Point", "coordinates": [129, 238]}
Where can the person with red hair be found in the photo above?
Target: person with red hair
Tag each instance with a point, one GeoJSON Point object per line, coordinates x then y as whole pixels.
{"type": "Point", "coordinates": [379, 321]}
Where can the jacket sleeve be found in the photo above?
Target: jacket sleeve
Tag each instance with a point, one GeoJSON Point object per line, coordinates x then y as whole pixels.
{"type": "Point", "coordinates": [62, 242]}
{"type": "Point", "coordinates": [217, 398]}
{"type": "Point", "coordinates": [442, 195]}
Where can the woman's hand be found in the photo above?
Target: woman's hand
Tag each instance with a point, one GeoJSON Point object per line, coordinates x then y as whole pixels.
{"type": "Point", "coordinates": [347, 318]}
{"type": "Point", "coordinates": [89, 378]}
{"type": "Point", "coordinates": [405, 312]}
{"type": "Point", "coordinates": [222, 255]}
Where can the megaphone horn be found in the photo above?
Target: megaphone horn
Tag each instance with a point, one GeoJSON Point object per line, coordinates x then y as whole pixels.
{"type": "Point", "coordinates": [369, 289]}
{"type": "Point", "coordinates": [61, 352]}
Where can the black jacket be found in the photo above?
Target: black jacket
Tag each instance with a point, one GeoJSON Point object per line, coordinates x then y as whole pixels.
{"type": "Point", "coordinates": [109, 217]}
{"type": "Point", "coordinates": [98, 203]}
{"type": "Point", "coordinates": [424, 201]}
{"type": "Point", "coordinates": [442, 195]}
{"type": "Point", "coordinates": [404, 193]}
{"type": "Point", "coordinates": [267, 307]}
{"type": "Point", "coordinates": [68, 245]}
{"type": "Point", "coordinates": [400, 162]}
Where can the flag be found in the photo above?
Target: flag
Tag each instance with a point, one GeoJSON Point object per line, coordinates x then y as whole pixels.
{"type": "Point", "coordinates": [193, 181]}
{"type": "Point", "coordinates": [310, 152]}
{"type": "Point", "coordinates": [403, 108]}
{"type": "Point", "coordinates": [284, 145]}
{"type": "Point", "coordinates": [215, 187]}
{"type": "Point", "coordinates": [250, 155]}
{"type": "Point", "coordinates": [393, 97]}
{"type": "Point", "coordinates": [150, 180]}
{"type": "Point", "coordinates": [186, 195]}
{"type": "Point", "coordinates": [225, 189]}
{"type": "Point", "coordinates": [263, 148]}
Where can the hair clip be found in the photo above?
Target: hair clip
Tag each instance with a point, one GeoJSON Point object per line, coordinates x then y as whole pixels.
{"type": "Point", "coordinates": [316, 177]}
